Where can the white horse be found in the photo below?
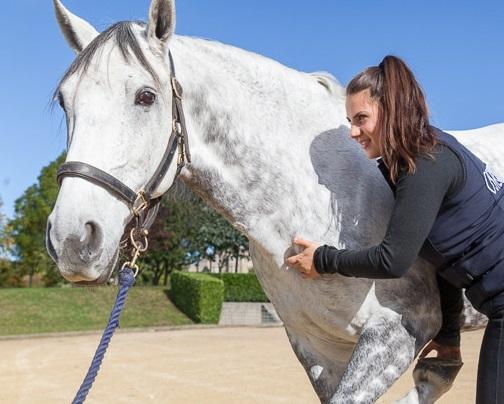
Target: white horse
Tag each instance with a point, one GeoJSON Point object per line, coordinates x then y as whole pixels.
{"type": "Point", "coordinates": [271, 152]}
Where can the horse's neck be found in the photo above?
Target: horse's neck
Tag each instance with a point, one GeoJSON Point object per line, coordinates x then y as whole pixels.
{"type": "Point", "coordinates": [259, 135]}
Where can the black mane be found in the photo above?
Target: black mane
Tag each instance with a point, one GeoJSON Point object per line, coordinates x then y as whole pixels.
{"type": "Point", "coordinates": [124, 37]}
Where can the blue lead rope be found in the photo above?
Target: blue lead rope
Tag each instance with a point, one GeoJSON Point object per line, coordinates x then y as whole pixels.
{"type": "Point", "coordinates": [126, 280]}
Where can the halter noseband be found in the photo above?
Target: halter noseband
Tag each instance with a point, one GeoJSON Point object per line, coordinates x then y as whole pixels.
{"type": "Point", "coordinates": [142, 204]}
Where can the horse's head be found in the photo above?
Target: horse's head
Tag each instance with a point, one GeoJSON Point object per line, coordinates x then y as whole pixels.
{"type": "Point", "coordinates": [117, 100]}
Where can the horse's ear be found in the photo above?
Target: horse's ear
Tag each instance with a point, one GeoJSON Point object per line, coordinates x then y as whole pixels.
{"type": "Point", "coordinates": [161, 24]}
{"type": "Point", "coordinates": [77, 32]}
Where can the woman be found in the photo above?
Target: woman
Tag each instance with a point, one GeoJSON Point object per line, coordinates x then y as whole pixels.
{"type": "Point", "coordinates": [449, 209]}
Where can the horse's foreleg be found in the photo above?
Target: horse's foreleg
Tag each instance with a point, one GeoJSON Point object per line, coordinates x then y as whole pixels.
{"type": "Point", "coordinates": [433, 378]}
{"type": "Point", "coordinates": [383, 352]}
{"type": "Point", "coordinates": [324, 361]}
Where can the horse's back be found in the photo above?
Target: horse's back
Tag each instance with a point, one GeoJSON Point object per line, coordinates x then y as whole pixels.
{"type": "Point", "coordinates": [487, 143]}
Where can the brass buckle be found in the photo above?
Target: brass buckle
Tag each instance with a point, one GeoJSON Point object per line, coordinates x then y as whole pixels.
{"type": "Point", "coordinates": [177, 88]}
{"type": "Point", "coordinates": [176, 126]}
{"type": "Point", "coordinates": [181, 151]}
{"type": "Point", "coordinates": [140, 204]}
{"type": "Point", "coordinates": [138, 248]}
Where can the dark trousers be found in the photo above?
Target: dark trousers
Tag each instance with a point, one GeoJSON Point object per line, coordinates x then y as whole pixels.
{"type": "Point", "coordinates": [490, 388]}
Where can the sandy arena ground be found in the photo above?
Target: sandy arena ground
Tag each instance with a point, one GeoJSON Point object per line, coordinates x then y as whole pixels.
{"type": "Point", "coordinates": [202, 365]}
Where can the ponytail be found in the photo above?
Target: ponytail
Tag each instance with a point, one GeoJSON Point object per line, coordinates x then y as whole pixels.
{"type": "Point", "coordinates": [403, 121]}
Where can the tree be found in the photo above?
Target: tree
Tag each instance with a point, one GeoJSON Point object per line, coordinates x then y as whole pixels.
{"type": "Point", "coordinates": [27, 229]}
{"type": "Point", "coordinates": [216, 238]}
{"type": "Point", "coordinates": [167, 250]}
{"type": "Point", "coordinates": [173, 236]}
{"type": "Point", "coordinates": [5, 240]}
{"type": "Point", "coordinates": [8, 276]}
{"type": "Point", "coordinates": [186, 232]}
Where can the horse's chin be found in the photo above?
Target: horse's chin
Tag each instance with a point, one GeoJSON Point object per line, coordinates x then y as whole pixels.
{"type": "Point", "coordinates": [105, 275]}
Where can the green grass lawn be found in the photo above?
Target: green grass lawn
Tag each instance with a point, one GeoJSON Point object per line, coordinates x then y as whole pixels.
{"type": "Point", "coordinates": [40, 310]}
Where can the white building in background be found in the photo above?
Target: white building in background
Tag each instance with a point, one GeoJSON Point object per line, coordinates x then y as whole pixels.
{"type": "Point", "coordinates": [244, 266]}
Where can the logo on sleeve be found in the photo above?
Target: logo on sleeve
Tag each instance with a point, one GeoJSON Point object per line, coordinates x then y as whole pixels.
{"type": "Point", "coordinates": [493, 183]}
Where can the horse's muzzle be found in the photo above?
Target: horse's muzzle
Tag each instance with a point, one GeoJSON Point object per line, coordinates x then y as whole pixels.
{"type": "Point", "coordinates": [79, 253]}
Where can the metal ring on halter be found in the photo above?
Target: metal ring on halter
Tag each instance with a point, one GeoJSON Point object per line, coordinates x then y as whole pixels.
{"type": "Point", "coordinates": [136, 244]}
{"type": "Point", "coordinates": [134, 266]}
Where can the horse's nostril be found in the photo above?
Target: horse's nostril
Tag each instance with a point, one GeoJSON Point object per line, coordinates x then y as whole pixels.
{"type": "Point", "coordinates": [92, 241]}
{"type": "Point", "coordinates": [89, 233]}
{"type": "Point", "coordinates": [77, 248]}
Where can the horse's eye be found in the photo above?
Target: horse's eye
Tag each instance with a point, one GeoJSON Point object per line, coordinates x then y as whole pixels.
{"type": "Point", "coordinates": [145, 97]}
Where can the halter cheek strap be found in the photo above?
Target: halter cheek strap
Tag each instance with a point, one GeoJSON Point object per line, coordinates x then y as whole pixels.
{"type": "Point", "coordinates": [97, 176]}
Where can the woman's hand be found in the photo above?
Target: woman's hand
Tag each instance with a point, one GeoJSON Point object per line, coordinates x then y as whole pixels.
{"type": "Point", "coordinates": [303, 261]}
{"type": "Point", "coordinates": [443, 351]}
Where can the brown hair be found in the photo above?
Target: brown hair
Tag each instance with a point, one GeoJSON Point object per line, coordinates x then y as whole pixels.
{"type": "Point", "coordinates": [403, 119]}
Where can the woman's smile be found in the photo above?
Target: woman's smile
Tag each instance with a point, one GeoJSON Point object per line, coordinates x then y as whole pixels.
{"type": "Point", "coordinates": [363, 112]}
{"type": "Point", "coordinates": [364, 142]}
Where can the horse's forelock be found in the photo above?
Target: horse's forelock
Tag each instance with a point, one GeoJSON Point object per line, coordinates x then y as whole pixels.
{"type": "Point", "coordinates": [122, 33]}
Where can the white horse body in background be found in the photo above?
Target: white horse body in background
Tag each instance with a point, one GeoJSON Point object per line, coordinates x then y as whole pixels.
{"type": "Point", "coordinates": [271, 152]}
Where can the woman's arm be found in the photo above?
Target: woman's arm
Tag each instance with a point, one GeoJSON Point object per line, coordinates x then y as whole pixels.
{"type": "Point", "coordinates": [418, 199]}
{"type": "Point", "coordinates": [452, 304]}
{"type": "Point", "coordinates": [447, 342]}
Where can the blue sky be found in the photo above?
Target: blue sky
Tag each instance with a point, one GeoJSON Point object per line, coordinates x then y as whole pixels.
{"type": "Point", "coordinates": [456, 49]}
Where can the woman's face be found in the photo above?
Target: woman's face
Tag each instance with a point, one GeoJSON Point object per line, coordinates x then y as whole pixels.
{"type": "Point", "coordinates": [362, 114]}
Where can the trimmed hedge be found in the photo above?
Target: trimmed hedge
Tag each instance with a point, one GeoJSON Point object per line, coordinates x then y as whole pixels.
{"type": "Point", "coordinates": [241, 288]}
{"type": "Point", "coordinates": [198, 295]}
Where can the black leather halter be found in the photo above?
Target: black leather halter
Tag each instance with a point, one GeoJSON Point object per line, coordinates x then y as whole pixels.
{"type": "Point", "coordinates": [141, 203]}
